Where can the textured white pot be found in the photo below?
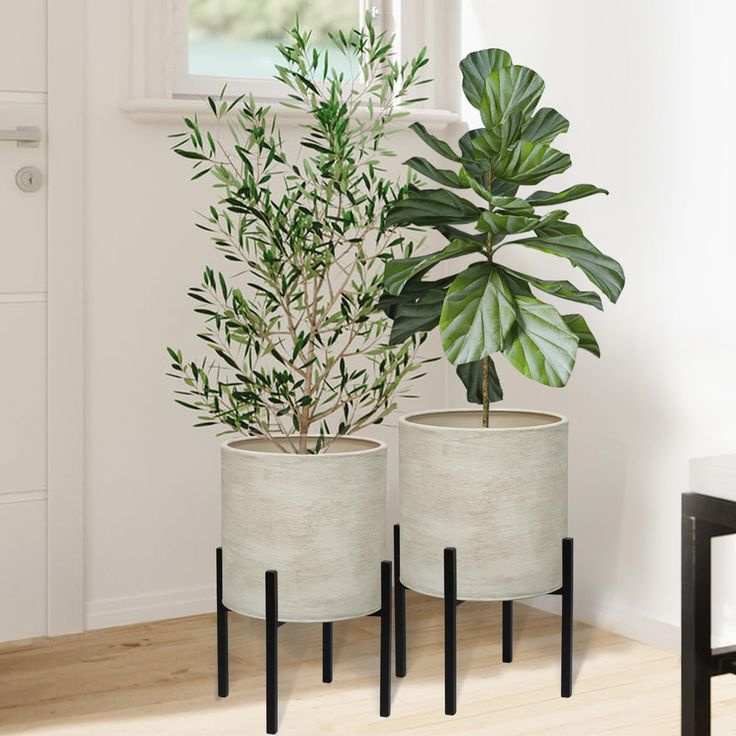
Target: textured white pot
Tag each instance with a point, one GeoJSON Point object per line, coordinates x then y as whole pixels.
{"type": "Point", "coordinates": [498, 495]}
{"type": "Point", "coordinates": [318, 520]}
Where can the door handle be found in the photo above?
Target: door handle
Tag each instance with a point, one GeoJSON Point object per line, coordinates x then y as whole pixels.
{"type": "Point", "coordinates": [24, 135]}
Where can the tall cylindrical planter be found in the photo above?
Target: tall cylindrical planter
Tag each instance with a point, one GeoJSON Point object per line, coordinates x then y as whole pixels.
{"type": "Point", "coordinates": [497, 494]}
{"type": "Point", "coordinates": [319, 520]}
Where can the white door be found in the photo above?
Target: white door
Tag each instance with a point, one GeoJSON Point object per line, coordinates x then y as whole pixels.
{"type": "Point", "coordinates": [22, 320]}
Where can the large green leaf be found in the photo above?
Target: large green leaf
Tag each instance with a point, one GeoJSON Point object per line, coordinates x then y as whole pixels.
{"type": "Point", "coordinates": [550, 220]}
{"type": "Point", "coordinates": [602, 270]}
{"type": "Point", "coordinates": [476, 67]}
{"type": "Point", "coordinates": [561, 289]}
{"type": "Point", "coordinates": [540, 345]}
{"type": "Point", "coordinates": [389, 303]}
{"type": "Point", "coordinates": [436, 144]}
{"type": "Point", "coordinates": [498, 223]}
{"type": "Point", "coordinates": [421, 315]}
{"type": "Point", "coordinates": [471, 374]}
{"type": "Point", "coordinates": [545, 126]}
{"type": "Point", "coordinates": [441, 176]}
{"type": "Point", "coordinates": [557, 226]}
{"type": "Point", "coordinates": [478, 187]}
{"type": "Point", "coordinates": [502, 188]}
{"type": "Point", "coordinates": [477, 315]}
{"type": "Point", "coordinates": [586, 340]}
{"type": "Point", "coordinates": [478, 145]}
{"type": "Point", "coordinates": [542, 199]}
{"type": "Point", "coordinates": [513, 205]}
{"type": "Point", "coordinates": [399, 271]}
{"type": "Point", "coordinates": [529, 163]}
{"type": "Point", "coordinates": [455, 233]}
{"type": "Point", "coordinates": [432, 207]}
{"type": "Point", "coordinates": [509, 97]}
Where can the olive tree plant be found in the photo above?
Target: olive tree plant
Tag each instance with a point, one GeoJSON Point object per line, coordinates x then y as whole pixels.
{"type": "Point", "coordinates": [295, 345]}
{"type": "Point", "coordinates": [491, 307]}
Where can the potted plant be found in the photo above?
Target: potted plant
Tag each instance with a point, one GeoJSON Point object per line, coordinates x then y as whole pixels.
{"type": "Point", "coordinates": [493, 485]}
{"type": "Point", "coordinates": [297, 357]}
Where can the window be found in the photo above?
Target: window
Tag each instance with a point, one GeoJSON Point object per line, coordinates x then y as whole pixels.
{"type": "Point", "coordinates": [230, 38]}
{"type": "Point", "coordinates": [184, 50]}
{"type": "Point", "coordinates": [234, 41]}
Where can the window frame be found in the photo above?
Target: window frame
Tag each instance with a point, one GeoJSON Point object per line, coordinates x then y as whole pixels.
{"type": "Point", "coordinates": [153, 96]}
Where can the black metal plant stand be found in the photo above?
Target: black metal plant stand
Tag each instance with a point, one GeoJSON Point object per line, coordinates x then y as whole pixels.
{"type": "Point", "coordinates": [272, 627]}
{"type": "Point", "coordinates": [451, 604]}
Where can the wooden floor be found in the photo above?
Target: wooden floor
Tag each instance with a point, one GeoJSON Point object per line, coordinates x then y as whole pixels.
{"type": "Point", "coordinates": [160, 679]}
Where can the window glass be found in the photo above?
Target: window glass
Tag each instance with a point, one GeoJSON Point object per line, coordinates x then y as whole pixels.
{"type": "Point", "coordinates": [237, 38]}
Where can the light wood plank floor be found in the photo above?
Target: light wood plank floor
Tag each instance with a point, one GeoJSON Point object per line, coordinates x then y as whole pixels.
{"type": "Point", "coordinates": [160, 679]}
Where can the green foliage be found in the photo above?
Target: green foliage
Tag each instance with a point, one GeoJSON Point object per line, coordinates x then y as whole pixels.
{"type": "Point", "coordinates": [296, 346]}
{"type": "Point", "coordinates": [248, 20]}
{"type": "Point", "coordinates": [488, 307]}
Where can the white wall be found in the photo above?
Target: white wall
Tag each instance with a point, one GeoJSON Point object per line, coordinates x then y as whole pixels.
{"type": "Point", "coordinates": [152, 503]}
{"type": "Point", "coordinates": [649, 90]}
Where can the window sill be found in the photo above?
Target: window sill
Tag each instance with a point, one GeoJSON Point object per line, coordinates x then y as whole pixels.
{"type": "Point", "coordinates": [171, 110]}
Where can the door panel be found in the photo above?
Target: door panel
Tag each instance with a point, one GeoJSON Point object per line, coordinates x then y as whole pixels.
{"type": "Point", "coordinates": [23, 303]}
{"type": "Point", "coordinates": [23, 415]}
{"type": "Point", "coordinates": [23, 568]}
{"type": "Point", "coordinates": [22, 214]}
{"type": "Point", "coordinates": [23, 46]}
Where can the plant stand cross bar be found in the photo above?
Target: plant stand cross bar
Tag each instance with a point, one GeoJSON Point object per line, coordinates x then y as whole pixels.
{"type": "Point", "coordinates": [451, 603]}
{"type": "Point", "coordinates": [272, 627]}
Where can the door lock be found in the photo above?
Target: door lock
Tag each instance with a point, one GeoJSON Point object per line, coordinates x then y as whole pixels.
{"type": "Point", "coordinates": [29, 179]}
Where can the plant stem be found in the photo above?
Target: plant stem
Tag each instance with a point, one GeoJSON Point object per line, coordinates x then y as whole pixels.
{"type": "Point", "coordinates": [486, 360]}
{"type": "Point", "coordinates": [486, 399]}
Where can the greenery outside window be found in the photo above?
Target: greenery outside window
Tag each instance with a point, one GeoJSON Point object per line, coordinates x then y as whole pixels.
{"type": "Point", "coordinates": [234, 42]}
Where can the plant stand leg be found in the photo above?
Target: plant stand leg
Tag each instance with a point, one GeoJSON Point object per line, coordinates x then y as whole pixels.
{"type": "Point", "coordinates": [400, 610]}
{"type": "Point", "coordinates": [508, 631]}
{"type": "Point", "coordinates": [327, 652]}
{"type": "Point", "coordinates": [385, 707]}
{"type": "Point", "coordinates": [696, 628]}
{"type": "Point", "coordinates": [272, 629]}
{"type": "Point", "coordinates": [450, 564]}
{"type": "Point", "coordinates": [567, 622]}
{"type": "Point", "coordinates": [223, 684]}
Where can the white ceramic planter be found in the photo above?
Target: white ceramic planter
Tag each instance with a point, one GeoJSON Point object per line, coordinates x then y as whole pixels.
{"type": "Point", "coordinates": [498, 495]}
{"type": "Point", "coordinates": [318, 520]}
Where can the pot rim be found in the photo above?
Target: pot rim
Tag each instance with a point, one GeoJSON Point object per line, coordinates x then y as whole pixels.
{"type": "Point", "coordinates": [406, 420]}
{"type": "Point", "coordinates": [377, 446]}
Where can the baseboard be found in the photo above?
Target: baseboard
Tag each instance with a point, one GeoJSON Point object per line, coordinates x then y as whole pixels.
{"type": "Point", "coordinates": [191, 601]}
{"type": "Point", "coordinates": [624, 622]}
{"type": "Point", "coordinates": [137, 609]}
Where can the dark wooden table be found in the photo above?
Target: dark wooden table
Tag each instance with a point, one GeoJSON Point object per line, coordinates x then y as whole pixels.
{"type": "Point", "coordinates": [708, 513]}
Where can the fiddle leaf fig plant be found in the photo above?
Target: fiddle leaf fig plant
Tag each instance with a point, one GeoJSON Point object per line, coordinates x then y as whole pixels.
{"type": "Point", "coordinates": [490, 307]}
{"type": "Point", "coordinates": [296, 350]}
